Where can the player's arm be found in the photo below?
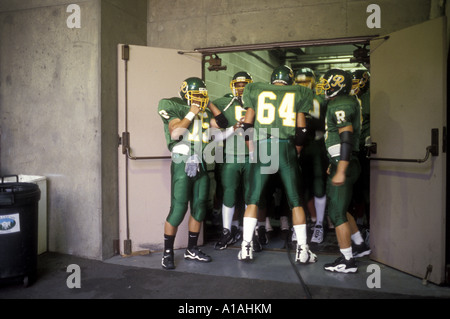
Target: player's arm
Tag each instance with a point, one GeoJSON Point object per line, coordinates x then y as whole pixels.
{"type": "Point", "coordinates": [178, 126]}
{"type": "Point", "coordinates": [218, 134]}
{"type": "Point", "coordinates": [214, 109]}
{"type": "Point", "coordinates": [346, 135]}
{"type": "Point", "coordinates": [247, 126]}
{"type": "Point", "coordinates": [219, 121]}
{"type": "Point", "coordinates": [301, 131]}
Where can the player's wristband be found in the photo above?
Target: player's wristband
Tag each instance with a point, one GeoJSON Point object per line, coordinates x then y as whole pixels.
{"type": "Point", "coordinates": [301, 134]}
{"type": "Point", "coordinates": [221, 120]}
{"type": "Point", "coordinates": [190, 116]}
{"type": "Point", "coordinates": [248, 129]}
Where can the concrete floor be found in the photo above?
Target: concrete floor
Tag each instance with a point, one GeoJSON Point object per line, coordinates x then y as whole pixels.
{"type": "Point", "coordinates": [270, 276]}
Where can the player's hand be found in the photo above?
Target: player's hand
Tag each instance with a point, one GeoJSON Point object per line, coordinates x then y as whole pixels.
{"type": "Point", "coordinates": [299, 150]}
{"type": "Point", "coordinates": [239, 124]}
{"type": "Point", "coordinates": [192, 166]}
{"type": "Point", "coordinates": [338, 179]}
{"type": "Point", "coordinates": [195, 107]}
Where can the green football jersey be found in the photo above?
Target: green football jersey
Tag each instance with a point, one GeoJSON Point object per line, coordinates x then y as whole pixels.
{"type": "Point", "coordinates": [233, 111]}
{"type": "Point", "coordinates": [197, 132]}
{"type": "Point", "coordinates": [316, 117]}
{"type": "Point", "coordinates": [231, 108]}
{"type": "Point", "coordinates": [342, 111]}
{"type": "Point", "coordinates": [276, 108]}
{"type": "Point", "coordinates": [319, 107]}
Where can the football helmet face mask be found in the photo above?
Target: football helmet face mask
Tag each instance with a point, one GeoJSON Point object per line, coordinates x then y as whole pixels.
{"type": "Point", "coordinates": [241, 77]}
{"type": "Point", "coordinates": [335, 82]}
{"type": "Point", "coordinates": [193, 91]}
{"type": "Point", "coordinates": [319, 86]}
{"type": "Point", "coordinates": [282, 74]}
{"type": "Point", "coordinates": [305, 77]}
{"type": "Point", "coordinates": [360, 80]}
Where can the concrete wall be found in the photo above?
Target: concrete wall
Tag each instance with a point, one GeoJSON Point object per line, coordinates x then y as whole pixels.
{"type": "Point", "coordinates": [50, 115]}
{"type": "Point", "coordinates": [59, 112]}
{"type": "Point", "coordinates": [210, 23]}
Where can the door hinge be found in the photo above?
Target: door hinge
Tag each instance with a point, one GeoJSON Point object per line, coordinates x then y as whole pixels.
{"type": "Point", "coordinates": [434, 147]}
{"type": "Point", "coordinates": [125, 52]}
{"type": "Point", "coordinates": [444, 139]}
{"type": "Point", "coordinates": [125, 142]}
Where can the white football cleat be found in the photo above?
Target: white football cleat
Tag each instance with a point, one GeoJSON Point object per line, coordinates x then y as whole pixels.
{"type": "Point", "coordinates": [304, 256]}
{"type": "Point", "coordinates": [246, 252]}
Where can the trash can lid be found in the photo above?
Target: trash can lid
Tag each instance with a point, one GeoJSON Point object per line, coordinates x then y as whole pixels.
{"type": "Point", "coordinates": [11, 193]}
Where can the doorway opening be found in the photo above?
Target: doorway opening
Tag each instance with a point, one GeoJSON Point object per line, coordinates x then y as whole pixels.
{"type": "Point", "coordinates": [219, 67]}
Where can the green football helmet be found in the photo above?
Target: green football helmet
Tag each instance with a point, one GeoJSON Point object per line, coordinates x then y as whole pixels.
{"type": "Point", "coordinates": [335, 82]}
{"type": "Point", "coordinates": [282, 74]}
{"type": "Point", "coordinates": [305, 77]}
{"type": "Point", "coordinates": [240, 77]}
{"type": "Point", "coordinates": [361, 79]}
{"type": "Point", "coordinates": [194, 90]}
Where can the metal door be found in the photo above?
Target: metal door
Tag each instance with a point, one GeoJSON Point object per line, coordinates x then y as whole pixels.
{"type": "Point", "coordinates": [146, 75]}
{"type": "Point", "coordinates": [408, 107]}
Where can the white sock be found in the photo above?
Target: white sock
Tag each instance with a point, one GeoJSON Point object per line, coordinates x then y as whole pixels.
{"type": "Point", "coordinates": [249, 228]}
{"type": "Point", "coordinates": [347, 252]}
{"type": "Point", "coordinates": [300, 232]}
{"type": "Point", "coordinates": [227, 216]}
{"type": "Point", "coordinates": [320, 204]}
{"type": "Point", "coordinates": [284, 222]}
{"type": "Point", "coordinates": [268, 225]}
{"type": "Point", "coordinates": [357, 238]}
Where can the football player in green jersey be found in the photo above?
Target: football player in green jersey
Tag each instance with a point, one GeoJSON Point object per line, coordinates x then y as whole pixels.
{"type": "Point", "coordinates": [186, 125]}
{"type": "Point", "coordinates": [234, 172]}
{"type": "Point", "coordinates": [276, 112]}
{"type": "Point", "coordinates": [361, 193]}
{"type": "Point", "coordinates": [313, 159]}
{"type": "Point", "coordinates": [343, 128]}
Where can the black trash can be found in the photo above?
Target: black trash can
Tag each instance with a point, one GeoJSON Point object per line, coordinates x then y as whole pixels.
{"type": "Point", "coordinates": [18, 231]}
